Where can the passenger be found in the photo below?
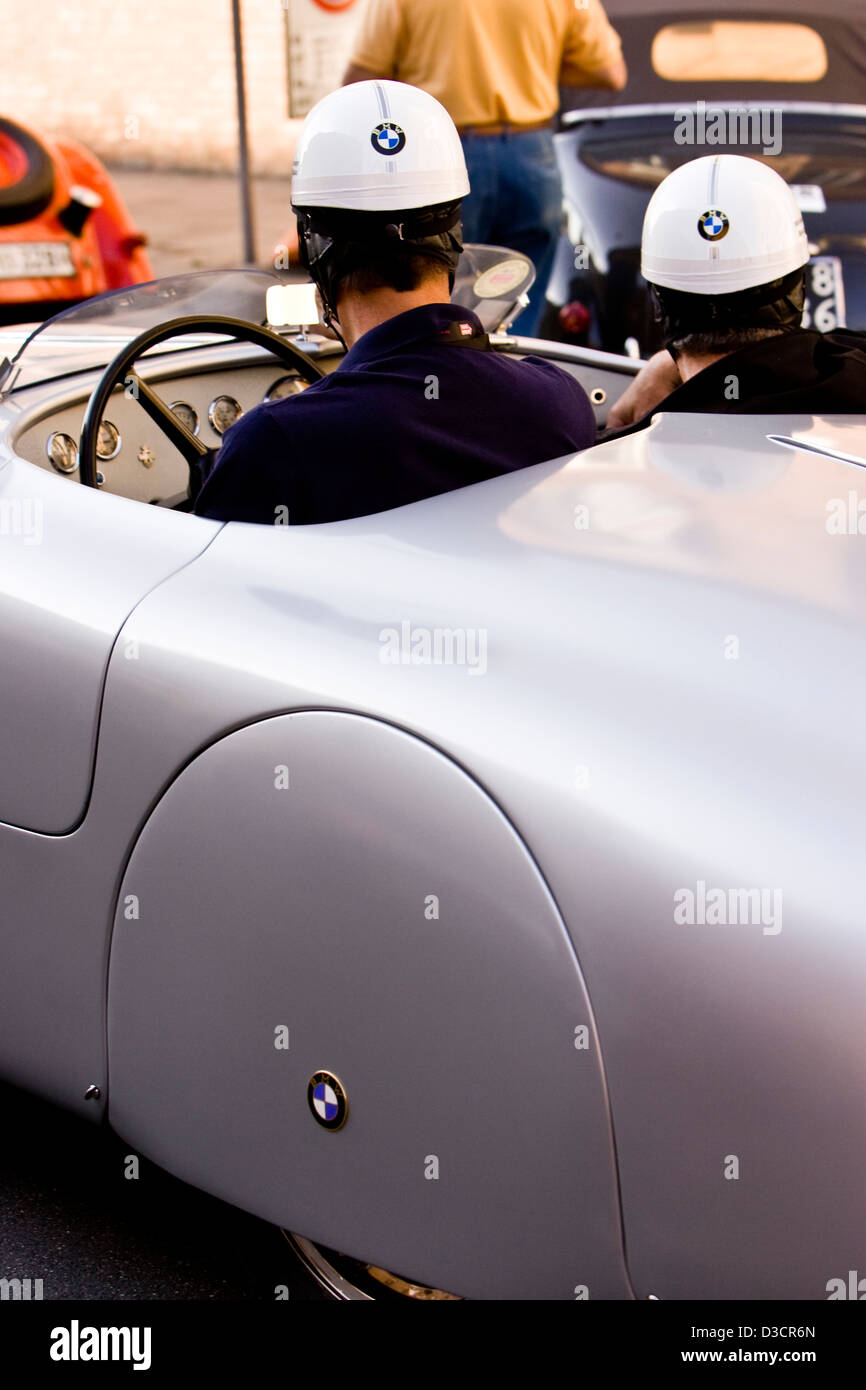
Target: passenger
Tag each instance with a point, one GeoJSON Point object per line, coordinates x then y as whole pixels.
{"type": "Point", "coordinates": [412, 410]}
{"type": "Point", "coordinates": [724, 251]}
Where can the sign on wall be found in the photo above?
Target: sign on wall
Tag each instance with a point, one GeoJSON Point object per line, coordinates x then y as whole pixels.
{"type": "Point", "coordinates": [320, 34]}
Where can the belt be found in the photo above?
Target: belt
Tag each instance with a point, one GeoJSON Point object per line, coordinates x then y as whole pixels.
{"type": "Point", "coordinates": [506, 128]}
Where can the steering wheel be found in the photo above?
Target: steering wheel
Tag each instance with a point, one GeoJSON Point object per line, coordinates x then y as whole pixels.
{"type": "Point", "coordinates": [121, 369]}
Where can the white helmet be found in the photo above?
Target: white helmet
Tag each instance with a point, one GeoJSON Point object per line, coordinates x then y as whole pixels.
{"type": "Point", "coordinates": [722, 224]}
{"type": "Point", "coordinates": [378, 147]}
{"type": "Point", "coordinates": [379, 174]}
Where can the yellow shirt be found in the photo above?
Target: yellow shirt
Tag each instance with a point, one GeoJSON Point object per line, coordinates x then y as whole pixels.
{"type": "Point", "coordinates": [488, 61]}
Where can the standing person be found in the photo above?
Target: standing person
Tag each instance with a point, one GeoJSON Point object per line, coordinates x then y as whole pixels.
{"type": "Point", "coordinates": [496, 66]}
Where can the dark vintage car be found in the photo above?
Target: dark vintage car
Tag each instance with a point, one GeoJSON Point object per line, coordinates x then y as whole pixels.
{"type": "Point", "coordinates": [777, 80]}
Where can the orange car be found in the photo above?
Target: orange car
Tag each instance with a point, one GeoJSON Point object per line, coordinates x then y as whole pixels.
{"type": "Point", "coordinates": [65, 233]}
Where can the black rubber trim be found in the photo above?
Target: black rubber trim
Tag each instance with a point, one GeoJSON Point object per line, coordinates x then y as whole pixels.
{"type": "Point", "coordinates": [24, 200]}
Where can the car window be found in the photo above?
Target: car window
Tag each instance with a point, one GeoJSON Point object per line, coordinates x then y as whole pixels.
{"type": "Point", "coordinates": [739, 50]}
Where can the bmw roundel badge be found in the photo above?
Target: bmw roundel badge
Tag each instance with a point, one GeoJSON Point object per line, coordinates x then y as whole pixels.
{"type": "Point", "coordinates": [388, 138]}
{"type": "Point", "coordinates": [713, 225]}
{"type": "Point", "coordinates": [327, 1100]}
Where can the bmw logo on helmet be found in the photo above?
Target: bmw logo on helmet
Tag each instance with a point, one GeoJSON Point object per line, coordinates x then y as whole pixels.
{"type": "Point", "coordinates": [327, 1100]}
{"type": "Point", "coordinates": [388, 138]}
{"type": "Point", "coordinates": [713, 225]}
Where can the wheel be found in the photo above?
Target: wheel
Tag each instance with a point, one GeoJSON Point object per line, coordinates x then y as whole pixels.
{"type": "Point", "coordinates": [29, 195]}
{"type": "Point", "coordinates": [347, 1280]}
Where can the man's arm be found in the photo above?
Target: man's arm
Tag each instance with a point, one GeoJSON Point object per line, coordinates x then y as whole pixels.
{"type": "Point", "coordinates": [648, 389]}
{"type": "Point", "coordinates": [612, 77]}
{"type": "Point", "coordinates": [592, 55]}
{"type": "Point", "coordinates": [376, 50]}
{"type": "Point", "coordinates": [355, 73]}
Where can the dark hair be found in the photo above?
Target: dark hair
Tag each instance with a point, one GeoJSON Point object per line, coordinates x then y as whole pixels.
{"type": "Point", "coordinates": [722, 340]}
{"type": "Point", "coordinates": [729, 321]}
{"type": "Point", "coordinates": [393, 272]}
{"type": "Point", "coordinates": [362, 251]}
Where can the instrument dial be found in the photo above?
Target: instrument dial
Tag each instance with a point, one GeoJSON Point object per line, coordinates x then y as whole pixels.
{"type": "Point", "coordinates": [62, 450]}
{"type": "Point", "coordinates": [186, 415]}
{"type": "Point", "coordinates": [286, 386]}
{"type": "Point", "coordinates": [223, 412]}
{"type": "Point", "coordinates": [108, 441]}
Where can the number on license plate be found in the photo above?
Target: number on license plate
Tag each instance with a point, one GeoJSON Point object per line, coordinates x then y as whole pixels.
{"type": "Point", "coordinates": [825, 295]}
{"type": "Point", "coordinates": [26, 260]}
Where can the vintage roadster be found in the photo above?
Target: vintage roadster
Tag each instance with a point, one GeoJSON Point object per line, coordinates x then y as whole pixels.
{"type": "Point", "coordinates": [473, 888]}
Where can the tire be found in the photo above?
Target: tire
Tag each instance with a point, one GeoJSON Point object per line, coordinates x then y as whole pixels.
{"type": "Point", "coordinates": [344, 1279]}
{"type": "Point", "coordinates": [21, 201]}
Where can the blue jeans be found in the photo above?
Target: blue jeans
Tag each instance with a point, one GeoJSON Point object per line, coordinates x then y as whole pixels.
{"type": "Point", "coordinates": [516, 201]}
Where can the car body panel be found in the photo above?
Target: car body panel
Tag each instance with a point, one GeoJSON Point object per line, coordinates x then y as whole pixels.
{"type": "Point", "coordinates": [655, 676]}
{"type": "Point", "coordinates": [332, 876]}
{"type": "Point", "coordinates": [690, 756]}
{"type": "Point", "coordinates": [61, 617]}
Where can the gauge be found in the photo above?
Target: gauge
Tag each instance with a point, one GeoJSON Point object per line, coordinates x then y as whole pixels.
{"type": "Point", "coordinates": [108, 441]}
{"type": "Point", "coordinates": [63, 452]}
{"type": "Point", "coordinates": [186, 415]}
{"type": "Point", "coordinates": [286, 386]}
{"type": "Point", "coordinates": [223, 412]}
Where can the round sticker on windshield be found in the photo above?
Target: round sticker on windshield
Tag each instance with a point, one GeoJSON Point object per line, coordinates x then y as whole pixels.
{"type": "Point", "coordinates": [500, 280]}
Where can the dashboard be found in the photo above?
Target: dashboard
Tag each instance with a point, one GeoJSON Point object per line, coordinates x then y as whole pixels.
{"type": "Point", "coordinates": [135, 459]}
{"type": "Point", "coordinates": [216, 387]}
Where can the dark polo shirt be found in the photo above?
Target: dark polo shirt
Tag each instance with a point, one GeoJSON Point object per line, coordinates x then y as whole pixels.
{"type": "Point", "coordinates": [409, 413]}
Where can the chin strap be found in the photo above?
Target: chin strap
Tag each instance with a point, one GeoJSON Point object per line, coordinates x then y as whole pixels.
{"type": "Point", "coordinates": [330, 320]}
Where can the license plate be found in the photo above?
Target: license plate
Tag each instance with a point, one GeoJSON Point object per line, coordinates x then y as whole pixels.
{"type": "Point", "coordinates": [825, 295]}
{"type": "Point", "coordinates": [27, 260]}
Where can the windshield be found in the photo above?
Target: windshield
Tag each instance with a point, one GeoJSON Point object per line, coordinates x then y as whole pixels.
{"type": "Point", "coordinates": [490, 280]}
{"type": "Point", "coordinates": [91, 333]}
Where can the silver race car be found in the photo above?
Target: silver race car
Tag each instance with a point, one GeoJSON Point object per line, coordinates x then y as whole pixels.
{"type": "Point", "coordinates": [473, 889]}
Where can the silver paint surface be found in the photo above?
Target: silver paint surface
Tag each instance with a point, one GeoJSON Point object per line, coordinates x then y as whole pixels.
{"type": "Point", "coordinates": [616, 749]}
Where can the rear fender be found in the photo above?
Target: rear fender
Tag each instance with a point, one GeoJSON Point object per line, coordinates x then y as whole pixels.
{"type": "Point", "coordinates": [322, 891]}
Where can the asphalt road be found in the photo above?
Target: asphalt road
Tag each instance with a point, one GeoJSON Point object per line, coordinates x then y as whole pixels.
{"type": "Point", "coordinates": [69, 1217]}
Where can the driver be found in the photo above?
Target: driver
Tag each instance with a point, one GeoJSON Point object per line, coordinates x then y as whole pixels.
{"type": "Point", "coordinates": [725, 252]}
{"type": "Point", "coordinates": [420, 404]}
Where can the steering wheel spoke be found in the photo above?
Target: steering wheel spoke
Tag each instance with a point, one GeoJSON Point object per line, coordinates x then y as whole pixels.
{"type": "Point", "coordinates": [121, 369]}
{"type": "Point", "coordinates": [175, 431]}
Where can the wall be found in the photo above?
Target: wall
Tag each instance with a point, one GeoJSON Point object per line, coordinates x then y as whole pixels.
{"type": "Point", "coordinates": [153, 83]}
